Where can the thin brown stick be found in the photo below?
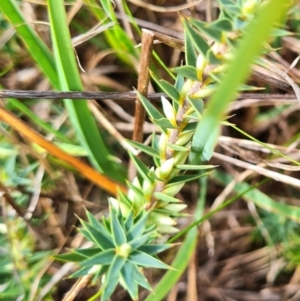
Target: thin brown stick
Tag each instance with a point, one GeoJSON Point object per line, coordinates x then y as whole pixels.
{"type": "Point", "coordinates": [143, 82]}
{"type": "Point", "coordinates": [121, 96]}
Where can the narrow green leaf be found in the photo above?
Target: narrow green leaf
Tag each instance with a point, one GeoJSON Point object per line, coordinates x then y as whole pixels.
{"type": "Point", "coordinates": [130, 284]}
{"type": "Point", "coordinates": [190, 54]}
{"type": "Point", "coordinates": [155, 248]}
{"type": "Point", "coordinates": [179, 82]}
{"type": "Point", "coordinates": [145, 148]}
{"type": "Point", "coordinates": [205, 150]}
{"type": "Point", "coordinates": [260, 199]}
{"type": "Point", "coordinates": [145, 260]}
{"type": "Point", "coordinates": [138, 229]}
{"type": "Point", "coordinates": [141, 168]}
{"type": "Point", "coordinates": [117, 230]}
{"type": "Point", "coordinates": [205, 27]}
{"type": "Point", "coordinates": [160, 196]}
{"type": "Point", "coordinates": [87, 252]}
{"type": "Point", "coordinates": [187, 71]}
{"type": "Point", "coordinates": [140, 240]}
{"type": "Point", "coordinates": [230, 7]}
{"type": "Point", "coordinates": [140, 278]}
{"type": "Point", "coordinates": [151, 110]}
{"type": "Point", "coordinates": [198, 105]}
{"type": "Point", "coordinates": [128, 224]}
{"type": "Point", "coordinates": [222, 25]}
{"type": "Point", "coordinates": [70, 257]}
{"type": "Point", "coordinates": [80, 273]}
{"type": "Point", "coordinates": [123, 198]}
{"type": "Point", "coordinates": [199, 43]}
{"type": "Point", "coordinates": [112, 277]}
{"type": "Point", "coordinates": [195, 167]}
{"type": "Point", "coordinates": [164, 124]}
{"type": "Point", "coordinates": [36, 47]}
{"type": "Point", "coordinates": [179, 148]}
{"type": "Point", "coordinates": [69, 79]}
{"type": "Point", "coordinates": [169, 89]}
{"type": "Point", "coordinates": [104, 258]}
{"type": "Point", "coordinates": [100, 237]}
{"type": "Point", "coordinates": [139, 192]}
{"type": "Point", "coordinates": [186, 178]}
{"type": "Point", "coordinates": [107, 7]}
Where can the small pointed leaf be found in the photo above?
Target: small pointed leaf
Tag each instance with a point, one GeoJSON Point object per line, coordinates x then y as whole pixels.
{"type": "Point", "coordinates": [187, 71]}
{"type": "Point", "coordinates": [205, 27]}
{"type": "Point", "coordinates": [169, 89]}
{"type": "Point", "coordinates": [198, 42]}
{"type": "Point", "coordinates": [140, 240]}
{"type": "Point", "coordinates": [104, 258]}
{"type": "Point", "coordinates": [186, 178]}
{"type": "Point", "coordinates": [100, 237]}
{"type": "Point", "coordinates": [145, 260]}
{"type": "Point", "coordinates": [190, 54]}
{"type": "Point", "coordinates": [195, 167]}
{"type": "Point", "coordinates": [117, 229]}
{"type": "Point", "coordinates": [138, 228]}
{"type": "Point", "coordinates": [151, 110]}
{"type": "Point", "coordinates": [165, 198]}
{"type": "Point", "coordinates": [140, 278]}
{"type": "Point", "coordinates": [141, 168]}
{"type": "Point", "coordinates": [155, 248]}
{"type": "Point", "coordinates": [112, 277]}
{"type": "Point", "coordinates": [128, 280]}
{"type": "Point", "coordinates": [81, 272]}
{"type": "Point", "coordinates": [145, 148]}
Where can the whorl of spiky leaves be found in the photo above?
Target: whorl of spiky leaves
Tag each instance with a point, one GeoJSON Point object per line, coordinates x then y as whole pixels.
{"type": "Point", "coordinates": [121, 249]}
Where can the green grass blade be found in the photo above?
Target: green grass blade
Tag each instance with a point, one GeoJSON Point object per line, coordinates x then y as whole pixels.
{"type": "Point", "coordinates": [36, 47]}
{"type": "Point", "coordinates": [69, 78]}
{"type": "Point", "coordinates": [248, 48]}
{"type": "Point", "coordinates": [259, 198]}
{"type": "Point", "coordinates": [63, 76]}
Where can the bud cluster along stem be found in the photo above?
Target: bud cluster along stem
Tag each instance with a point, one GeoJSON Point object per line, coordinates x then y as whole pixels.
{"type": "Point", "coordinates": [155, 190]}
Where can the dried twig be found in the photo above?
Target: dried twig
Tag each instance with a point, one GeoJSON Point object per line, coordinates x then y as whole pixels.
{"type": "Point", "coordinates": [120, 96]}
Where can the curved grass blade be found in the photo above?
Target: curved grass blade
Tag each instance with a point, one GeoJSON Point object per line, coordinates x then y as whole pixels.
{"type": "Point", "coordinates": [69, 79]}
{"type": "Point", "coordinates": [248, 48]}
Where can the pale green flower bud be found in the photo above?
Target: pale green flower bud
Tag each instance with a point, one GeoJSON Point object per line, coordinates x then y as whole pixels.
{"type": "Point", "coordinates": [204, 92]}
{"type": "Point", "coordinates": [116, 204]}
{"type": "Point", "coordinates": [166, 229]}
{"type": "Point", "coordinates": [180, 157]}
{"type": "Point", "coordinates": [169, 111]}
{"type": "Point", "coordinates": [162, 145]}
{"type": "Point", "coordinates": [136, 183]}
{"type": "Point", "coordinates": [184, 137]}
{"type": "Point", "coordinates": [175, 207]}
{"type": "Point", "coordinates": [173, 189]}
{"type": "Point", "coordinates": [133, 196]}
{"type": "Point", "coordinates": [249, 7]}
{"type": "Point", "coordinates": [200, 65]}
{"type": "Point", "coordinates": [124, 250]}
{"type": "Point", "coordinates": [147, 188]}
{"type": "Point", "coordinates": [165, 169]}
{"type": "Point", "coordinates": [162, 219]}
{"type": "Point", "coordinates": [186, 88]}
{"type": "Point", "coordinates": [219, 69]}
